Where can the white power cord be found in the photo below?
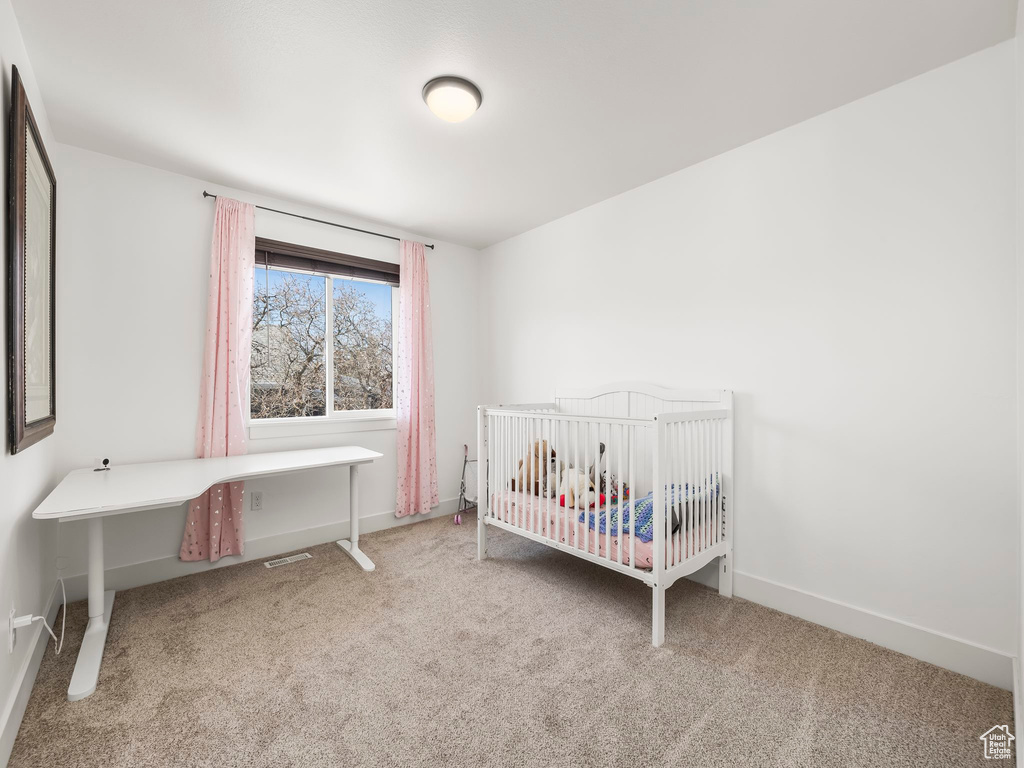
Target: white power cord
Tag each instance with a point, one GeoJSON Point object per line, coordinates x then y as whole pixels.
{"type": "Point", "coordinates": [24, 621]}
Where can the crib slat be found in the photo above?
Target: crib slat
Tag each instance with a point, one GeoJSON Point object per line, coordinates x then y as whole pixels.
{"type": "Point", "coordinates": [588, 443]}
{"type": "Point", "coordinates": [684, 505]}
{"type": "Point", "coordinates": [705, 500]}
{"type": "Point", "coordinates": [632, 495]}
{"type": "Point", "coordinates": [659, 516]}
{"type": "Point", "coordinates": [546, 429]}
{"type": "Point", "coordinates": [703, 473]}
{"type": "Point", "coordinates": [505, 459]}
{"type": "Point", "coordinates": [535, 465]}
{"type": "Point", "coordinates": [501, 483]}
{"type": "Point", "coordinates": [499, 466]}
{"type": "Point", "coordinates": [709, 495]}
{"type": "Point", "coordinates": [718, 484]}
{"type": "Point", "coordinates": [492, 459]}
{"type": "Point", "coordinates": [695, 500]}
{"type": "Point", "coordinates": [598, 468]}
{"type": "Point", "coordinates": [494, 435]}
{"type": "Point", "coordinates": [714, 486]}
{"type": "Point", "coordinates": [513, 459]}
{"type": "Point", "coordinates": [596, 443]}
{"type": "Point", "coordinates": [576, 500]}
{"type": "Point", "coordinates": [621, 498]}
{"type": "Point", "coordinates": [528, 486]}
{"type": "Point", "coordinates": [700, 483]}
{"type": "Point", "coordinates": [521, 507]}
{"type": "Point", "coordinates": [558, 427]}
{"type": "Point", "coordinates": [566, 429]}
{"type": "Point", "coordinates": [666, 462]}
{"type": "Point", "coordinates": [681, 490]}
{"type": "Point", "coordinates": [524, 452]}
{"type": "Point", "coordinates": [506, 466]}
{"type": "Point", "coordinates": [482, 502]}
{"type": "Point", "coordinates": [690, 500]}
{"type": "Point", "coordinates": [703, 482]}
{"type": "Point", "coordinates": [710, 482]}
{"type": "Point", "coordinates": [517, 453]}
{"type": "Point", "coordinates": [586, 506]}
{"type": "Point", "coordinates": [527, 455]}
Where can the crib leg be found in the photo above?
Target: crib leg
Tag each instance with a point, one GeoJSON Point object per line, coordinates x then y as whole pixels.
{"type": "Point", "coordinates": [481, 534]}
{"type": "Point", "coordinates": [658, 617]}
{"type": "Point", "coordinates": [725, 575]}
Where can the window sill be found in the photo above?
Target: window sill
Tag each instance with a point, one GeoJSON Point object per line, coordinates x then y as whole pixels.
{"type": "Point", "coordinates": [319, 425]}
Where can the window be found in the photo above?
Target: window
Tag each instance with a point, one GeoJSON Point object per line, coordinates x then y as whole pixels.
{"type": "Point", "coordinates": [322, 343]}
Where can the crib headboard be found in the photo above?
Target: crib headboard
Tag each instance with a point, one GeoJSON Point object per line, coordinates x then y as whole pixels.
{"type": "Point", "coordinates": [634, 400]}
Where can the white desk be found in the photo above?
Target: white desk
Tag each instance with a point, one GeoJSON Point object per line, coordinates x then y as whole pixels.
{"type": "Point", "coordinates": [86, 494]}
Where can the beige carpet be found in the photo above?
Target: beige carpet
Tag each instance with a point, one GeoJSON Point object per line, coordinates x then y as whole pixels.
{"type": "Point", "coordinates": [532, 658]}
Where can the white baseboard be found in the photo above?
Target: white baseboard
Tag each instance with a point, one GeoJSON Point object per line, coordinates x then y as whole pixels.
{"type": "Point", "coordinates": [14, 708]}
{"type": "Point", "coordinates": [1016, 707]}
{"type": "Point", "coordinates": [953, 653]}
{"type": "Point", "coordinates": [162, 569]}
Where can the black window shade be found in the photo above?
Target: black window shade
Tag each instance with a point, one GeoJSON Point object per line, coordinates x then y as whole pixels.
{"type": "Point", "coordinates": [273, 253]}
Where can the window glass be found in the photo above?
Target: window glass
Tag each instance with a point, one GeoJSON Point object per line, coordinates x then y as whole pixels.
{"type": "Point", "coordinates": [362, 345]}
{"type": "Point", "coordinates": [288, 376]}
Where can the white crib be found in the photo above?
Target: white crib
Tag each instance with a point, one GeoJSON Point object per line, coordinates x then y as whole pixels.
{"type": "Point", "coordinates": [654, 438]}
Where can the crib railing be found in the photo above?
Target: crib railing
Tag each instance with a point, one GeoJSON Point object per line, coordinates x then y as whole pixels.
{"type": "Point", "coordinates": [590, 485]}
{"type": "Point", "coordinates": [693, 464]}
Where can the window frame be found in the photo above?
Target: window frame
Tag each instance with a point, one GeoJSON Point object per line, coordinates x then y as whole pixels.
{"type": "Point", "coordinates": [333, 421]}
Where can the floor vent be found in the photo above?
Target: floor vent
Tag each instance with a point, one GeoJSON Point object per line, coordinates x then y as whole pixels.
{"type": "Point", "coordinates": [287, 560]}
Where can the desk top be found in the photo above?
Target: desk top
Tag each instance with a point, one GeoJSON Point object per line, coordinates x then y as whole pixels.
{"type": "Point", "coordinates": [86, 493]}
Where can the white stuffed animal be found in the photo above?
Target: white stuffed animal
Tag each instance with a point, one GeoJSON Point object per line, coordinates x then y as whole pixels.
{"type": "Point", "coordinates": [551, 484]}
{"type": "Point", "coordinates": [575, 485]}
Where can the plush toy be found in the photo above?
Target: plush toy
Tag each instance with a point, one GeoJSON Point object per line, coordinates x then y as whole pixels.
{"type": "Point", "coordinates": [535, 471]}
{"type": "Point", "coordinates": [551, 481]}
{"type": "Point", "coordinates": [606, 482]}
{"type": "Point", "coordinates": [611, 485]}
{"type": "Point", "coordinates": [593, 467]}
{"type": "Point", "coordinates": [574, 484]}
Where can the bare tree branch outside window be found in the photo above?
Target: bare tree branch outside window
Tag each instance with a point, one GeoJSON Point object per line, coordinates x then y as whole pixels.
{"type": "Point", "coordinates": [288, 376]}
{"type": "Point", "coordinates": [362, 347]}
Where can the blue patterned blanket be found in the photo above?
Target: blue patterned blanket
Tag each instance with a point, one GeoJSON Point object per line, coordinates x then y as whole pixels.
{"type": "Point", "coordinates": [644, 507]}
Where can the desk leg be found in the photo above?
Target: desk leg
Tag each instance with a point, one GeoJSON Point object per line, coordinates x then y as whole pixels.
{"type": "Point", "coordinates": [351, 544]}
{"type": "Point", "coordinates": [101, 604]}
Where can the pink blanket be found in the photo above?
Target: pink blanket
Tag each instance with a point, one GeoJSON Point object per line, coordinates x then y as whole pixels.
{"type": "Point", "coordinates": [546, 518]}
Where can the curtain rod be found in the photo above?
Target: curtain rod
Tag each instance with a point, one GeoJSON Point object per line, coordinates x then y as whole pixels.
{"type": "Point", "coordinates": [321, 221]}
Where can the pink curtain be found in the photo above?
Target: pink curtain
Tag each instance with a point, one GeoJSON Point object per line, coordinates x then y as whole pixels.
{"type": "Point", "coordinates": [414, 390]}
{"type": "Point", "coordinates": [214, 524]}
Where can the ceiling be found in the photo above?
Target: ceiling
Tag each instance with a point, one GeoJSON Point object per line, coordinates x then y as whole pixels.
{"type": "Point", "coordinates": [318, 101]}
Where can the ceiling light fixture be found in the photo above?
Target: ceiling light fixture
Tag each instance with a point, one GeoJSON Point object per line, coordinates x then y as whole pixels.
{"type": "Point", "coordinates": [452, 98]}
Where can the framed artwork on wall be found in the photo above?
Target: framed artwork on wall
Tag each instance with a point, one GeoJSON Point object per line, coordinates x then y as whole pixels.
{"type": "Point", "coordinates": [31, 250]}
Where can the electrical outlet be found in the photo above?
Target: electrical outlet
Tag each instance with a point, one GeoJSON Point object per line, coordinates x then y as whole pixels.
{"type": "Point", "coordinates": [11, 637]}
{"type": "Point", "coordinates": [256, 501]}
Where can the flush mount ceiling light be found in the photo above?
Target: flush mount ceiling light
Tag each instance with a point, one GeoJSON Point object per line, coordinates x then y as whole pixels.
{"type": "Point", "coordinates": [452, 98]}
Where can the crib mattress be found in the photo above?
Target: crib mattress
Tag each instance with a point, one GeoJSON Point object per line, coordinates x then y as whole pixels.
{"type": "Point", "coordinates": [517, 508]}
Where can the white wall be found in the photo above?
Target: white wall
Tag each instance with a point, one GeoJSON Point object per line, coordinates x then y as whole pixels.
{"type": "Point", "coordinates": [26, 547]}
{"type": "Point", "coordinates": [1019, 103]}
{"type": "Point", "coordinates": [852, 279]}
{"type": "Point", "coordinates": [132, 298]}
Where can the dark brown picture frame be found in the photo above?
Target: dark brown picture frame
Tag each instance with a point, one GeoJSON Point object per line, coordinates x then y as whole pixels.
{"type": "Point", "coordinates": [23, 128]}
